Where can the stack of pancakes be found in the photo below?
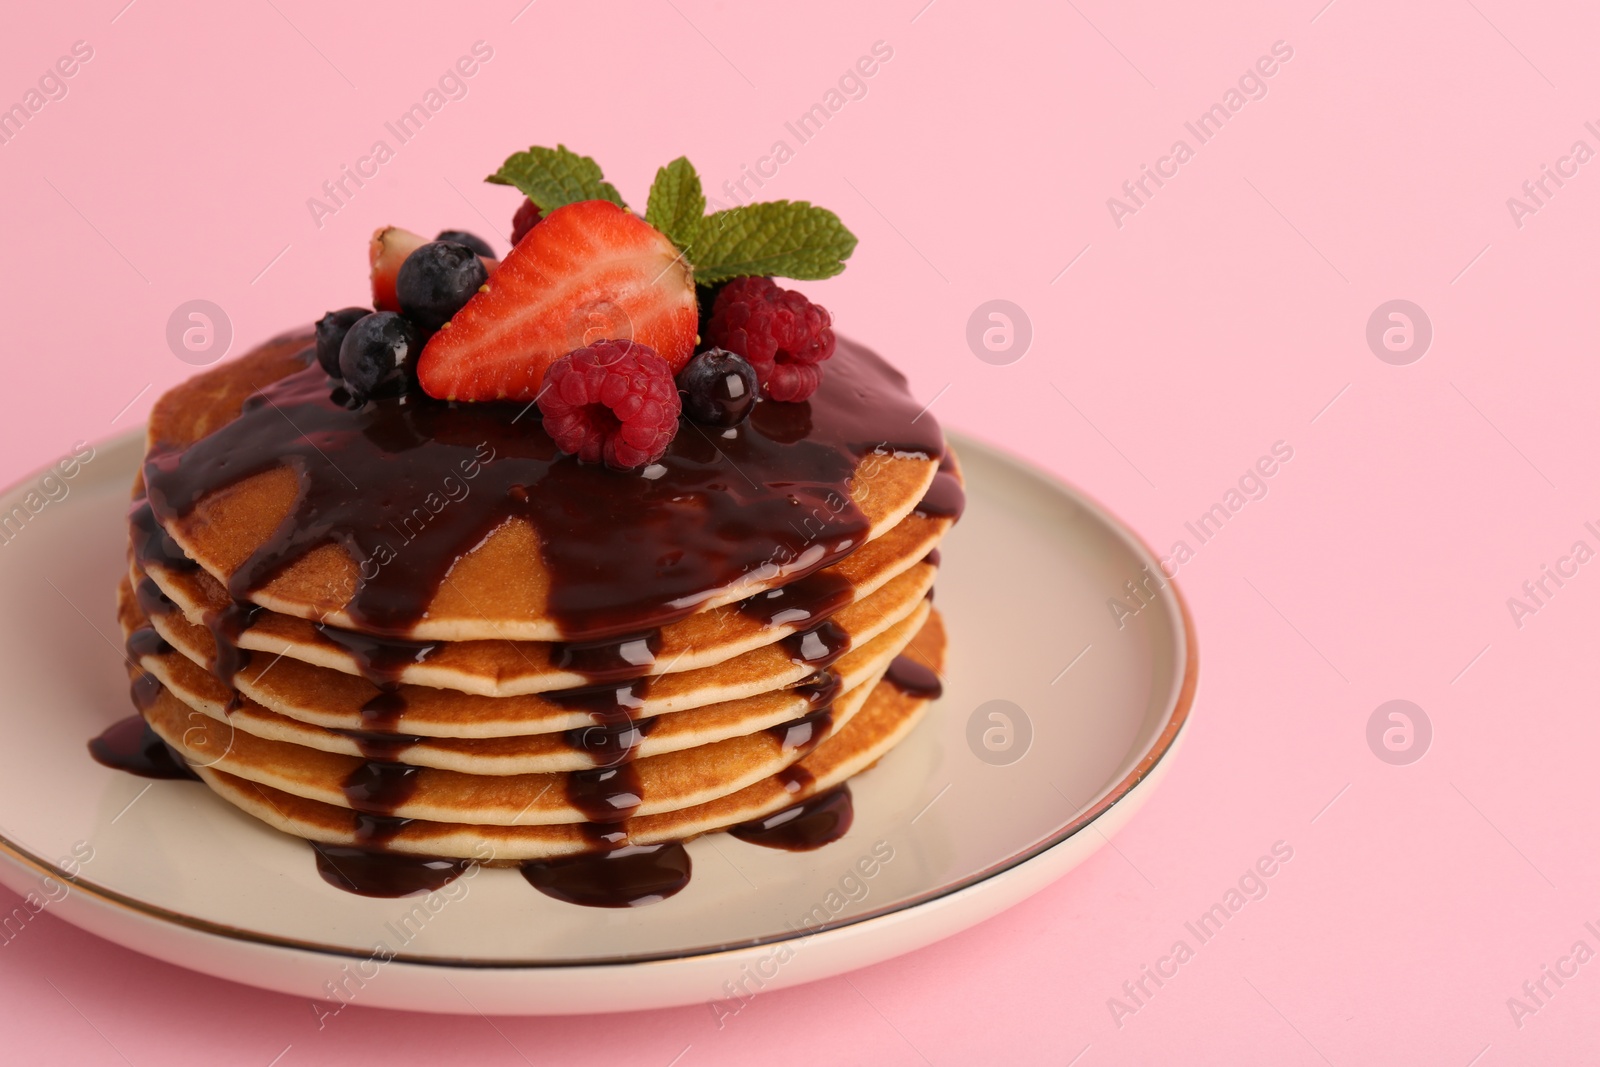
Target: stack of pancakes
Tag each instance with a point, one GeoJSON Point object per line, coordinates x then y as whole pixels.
{"type": "Point", "coordinates": [488, 724]}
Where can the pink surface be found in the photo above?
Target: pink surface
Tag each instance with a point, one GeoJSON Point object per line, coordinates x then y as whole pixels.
{"type": "Point", "coordinates": [1225, 314]}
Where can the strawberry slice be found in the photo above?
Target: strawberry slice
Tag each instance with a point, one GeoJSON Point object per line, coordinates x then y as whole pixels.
{"type": "Point", "coordinates": [389, 248]}
{"type": "Point", "coordinates": [589, 271]}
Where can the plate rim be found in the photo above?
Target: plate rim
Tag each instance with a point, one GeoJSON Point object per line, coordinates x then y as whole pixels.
{"type": "Point", "coordinates": [1177, 716]}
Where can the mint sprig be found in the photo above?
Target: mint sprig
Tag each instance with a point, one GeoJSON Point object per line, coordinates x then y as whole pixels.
{"type": "Point", "coordinates": [555, 177]}
{"type": "Point", "coordinates": [677, 203]}
{"type": "Point", "coordinates": [781, 238]}
{"type": "Point", "coordinates": [777, 238]}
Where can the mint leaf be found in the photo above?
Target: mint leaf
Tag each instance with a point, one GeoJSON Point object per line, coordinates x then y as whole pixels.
{"type": "Point", "coordinates": [676, 202]}
{"type": "Point", "coordinates": [555, 177]}
{"type": "Point", "coordinates": [783, 238]}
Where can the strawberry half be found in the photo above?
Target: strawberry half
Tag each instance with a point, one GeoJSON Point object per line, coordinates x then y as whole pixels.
{"type": "Point", "coordinates": [388, 249]}
{"type": "Point", "coordinates": [589, 271]}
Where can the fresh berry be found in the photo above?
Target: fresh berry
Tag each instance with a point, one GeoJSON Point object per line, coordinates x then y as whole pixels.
{"type": "Point", "coordinates": [387, 252]}
{"type": "Point", "coordinates": [378, 354]}
{"type": "Point", "coordinates": [471, 240]}
{"type": "Point", "coordinates": [782, 334]}
{"type": "Point", "coordinates": [388, 249]}
{"type": "Point", "coordinates": [527, 216]}
{"type": "Point", "coordinates": [331, 329]}
{"type": "Point", "coordinates": [613, 401]}
{"type": "Point", "coordinates": [590, 271]}
{"type": "Point", "coordinates": [436, 280]}
{"type": "Point", "coordinates": [719, 388]}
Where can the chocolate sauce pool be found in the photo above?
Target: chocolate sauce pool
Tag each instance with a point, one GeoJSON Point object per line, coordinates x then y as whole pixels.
{"type": "Point", "coordinates": [130, 745]}
{"type": "Point", "coordinates": [810, 824]}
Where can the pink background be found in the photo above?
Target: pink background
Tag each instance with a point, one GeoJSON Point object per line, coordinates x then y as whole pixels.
{"type": "Point", "coordinates": [1228, 313]}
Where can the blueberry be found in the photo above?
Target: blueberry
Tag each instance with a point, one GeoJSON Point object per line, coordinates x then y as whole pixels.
{"type": "Point", "coordinates": [471, 240]}
{"type": "Point", "coordinates": [331, 329]}
{"type": "Point", "coordinates": [719, 387]}
{"type": "Point", "coordinates": [436, 280]}
{"type": "Point", "coordinates": [379, 355]}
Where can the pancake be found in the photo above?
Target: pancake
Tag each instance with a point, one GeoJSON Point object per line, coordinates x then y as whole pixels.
{"type": "Point", "coordinates": [886, 583]}
{"type": "Point", "coordinates": [293, 687]}
{"type": "Point", "coordinates": [438, 523]}
{"type": "Point", "coordinates": [589, 738]}
{"type": "Point", "coordinates": [885, 718]}
{"type": "Point", "coordinates": [660, 783]}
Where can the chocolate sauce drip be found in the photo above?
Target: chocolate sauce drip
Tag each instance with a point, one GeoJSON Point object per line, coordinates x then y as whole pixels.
{"type": "Point", "coordinates": [805, 733]}
{"type": "Point", "coordinates": [374, 873]}
{"type": "Point", "coordinates": [381, 660]}
{"type": "Point", "coordinates": [380, 787]}
{"type": "Point", "coordinates": [627, 877]}
{"type": "Point", "coordinates": [812, 823]}
{"type": "Point", "coordinates": [945, 499]}
{"type": "Point", "coordinates": [146, 642]}
{"type": "Point", "coordinates": [380, 746]}
{"type": "Point", "coordinates": [130, 745]}
{"type": "Point", "coordinates": [821, 689]}
{"type": "Point", "coordinates": [143, 690]}
{"type": "Point", "coordinates": [802, 603]}
{"type": "Point", "coordinates": [151, 543]}
{"type": "Point", "coordinates": [604, 701]}
{"type": "Point", "coordinates": [933, 558]}
{"type": "Point", "coordinates": [152, 601]}
{"type": "Point", "coordinates": [408, 485]}
{"type": "Point", "coordinates": [605, 795]}
{"type": "Point", "coordinates": [794, 778]}
{"type": "Point", "coordinates": [376, 830]}
{"type": "Point", "coordinates": [820, 646]}
{"type": "Point", "coordinates": [383, 711]}
{"type": "Point", "coordinates": [609, 659]}
{"type": "Point", "coordinates": [611, 742]}
{"type": "Point", "coordinates": [226, 624]}
{"type": "Point", "coordinates": [913, 679]}
{"type": "Point", "coordinates": [615, 730]}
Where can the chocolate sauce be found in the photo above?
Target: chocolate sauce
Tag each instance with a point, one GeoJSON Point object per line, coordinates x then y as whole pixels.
{"type": "Point", "coordinates": [373, 873]}
{"type": "Point", "coordinates": [130, 745]}
{"type": "Point", "coordinates": [802, 603]}
{"type": "Point", "coordinates": [380, 787]}
{"type": "Point", "coordinates": [913, 679]}
{"type": "Point", "coordinates": [381, 660]}
{"type": "Point", "coordinates": [608, 659]}
{"type": "Point", "coordinates": [794, 778]}
{"type": "Point", "coordinates": [143, 690]}
{"type": "Point", "coordinates": [610, 742]}
{"type": "Point", "coordinates": [820, 646]}
{"type": "Point", "coordinates": [226, 624]}
{"type": "Point", "coordinates": [376, 830]}
{"type": "Point", "coordinates": [933, 558]}
{"type": "Point", "coordinates": [605, 794]}
{"type": "Point", "coordinates": [627, 877]}
{"type": "Point", "coordinates": [821, 689]}
{"type": "Point", "coordinates": [146, 642]}
{"type": "Point", "coordinates": [151, 543]}
{"type": "Point", "coordinates": [812, 823]}
{"type": "Point", "coordinates": [408, 485]}
{"type": "Point", "coordinates": [603, 701]}
{"type": "Point", "coordinates": [152, 601]}
{"type": "Point", "coordinates": [380, 746]}
{"type": "Point", "coordinates": [805, 733]}
{"type": "Point", "coordinates": [945, 499]}
{"type": "Point", "coordinates": [383, 711]}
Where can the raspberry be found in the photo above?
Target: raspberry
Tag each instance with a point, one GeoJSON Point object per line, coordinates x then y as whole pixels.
{"type": "Point", "coordinates": [613, 401]}
{"type": "Point", "coordinates": [524, 220]}
{"type": "Point", "coordinates": [783, 335]}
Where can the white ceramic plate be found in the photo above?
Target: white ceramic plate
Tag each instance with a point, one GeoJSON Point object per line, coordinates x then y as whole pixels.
{"type": "Point", "coordinates": [980, 807]}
